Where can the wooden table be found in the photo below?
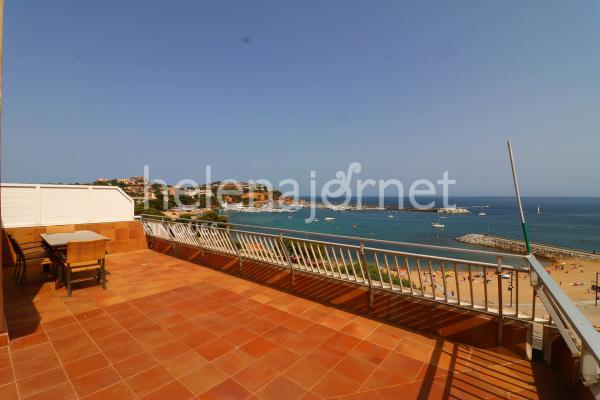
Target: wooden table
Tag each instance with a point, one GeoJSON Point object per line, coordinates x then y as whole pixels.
{"type": "Point", "coordinates": [57, 242]}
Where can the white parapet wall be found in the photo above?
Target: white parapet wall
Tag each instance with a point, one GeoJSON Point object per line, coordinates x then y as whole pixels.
{"type": "Point", "coordinates": [34, 205]}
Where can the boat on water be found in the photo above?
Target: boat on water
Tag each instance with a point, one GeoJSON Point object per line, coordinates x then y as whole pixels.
{"type": "Point", "coordinates": [481, 213]}
{"type": "Point", "coordinates": [437, 224]}
{"type": "Point", "coordinates": [329, 218]}
{"type": "Point", "coordinates": [390, 216]}
{"type": "Point", "coordinates": [539, 212]}
{"type": "Point", "coordinates": [270, 208]}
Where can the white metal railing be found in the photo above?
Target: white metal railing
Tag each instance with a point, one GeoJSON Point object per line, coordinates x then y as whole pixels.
{"type": "Point", "coordinates": [491, 286]}
{"type": "Point", "coordinates": [580, 336]}
{"type": "Point", "coordinates": [506, 285]}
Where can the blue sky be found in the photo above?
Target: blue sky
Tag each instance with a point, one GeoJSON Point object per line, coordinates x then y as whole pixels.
{"type": "Point", "coordinates": [275, 89]}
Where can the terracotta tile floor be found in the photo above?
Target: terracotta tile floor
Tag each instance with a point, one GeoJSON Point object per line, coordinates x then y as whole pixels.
{"type": "Point", "coordinates": [168, 329]}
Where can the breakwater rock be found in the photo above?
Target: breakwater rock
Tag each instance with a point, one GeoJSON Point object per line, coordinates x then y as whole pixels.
{"type": "Point", "coordinates": [516, 246]}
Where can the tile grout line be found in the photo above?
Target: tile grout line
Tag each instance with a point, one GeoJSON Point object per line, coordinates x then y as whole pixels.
{"type": "Point", "coordinates": [111, 364]}
{"type": "Point", "coordinates": [12, 366]}
{"type": "Point", "coordinates": [175, 379]}
{"type": "Point", "coordinates": [237, 347]}
{"type": "Point", "coordinates": [382, 361]}
{"type": "Point", "coordinates": [360, 341]}
{"type": "Point", "coordinates": [61, 363]}
{"type": "Point", "coordinates": [141, 346]}
{"type": "Point", "coordinates": [123, 380]}
{"type": "Point", "coordinates": [100, 351]}
{"type": "Point", "coordinates": [309, 389]}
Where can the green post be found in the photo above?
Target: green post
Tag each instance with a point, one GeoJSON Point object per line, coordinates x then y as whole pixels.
{"type": "Point", "coordinates": [527, 245]}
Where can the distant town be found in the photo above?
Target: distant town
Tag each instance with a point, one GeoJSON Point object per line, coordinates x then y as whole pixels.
{"type": "Point", "coordinates": [202, 201]}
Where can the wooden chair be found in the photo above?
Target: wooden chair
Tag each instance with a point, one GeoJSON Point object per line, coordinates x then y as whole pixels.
{"type": "Point", "coordinates": [60, 229]}
{"type": "Point", "coordinates": [84, 256]}
{"type": "Point", "coordinates": [24, 253]}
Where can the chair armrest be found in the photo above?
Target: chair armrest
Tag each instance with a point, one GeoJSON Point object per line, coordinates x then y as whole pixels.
{"type": "Point", "coordinates": [35, 255]}
{"type": "Point", "coordinates": [28, 245]}
{"type": "Point", "coordinates": [35, 249]}
{"type": "Point", "coordinates": [37, 242]}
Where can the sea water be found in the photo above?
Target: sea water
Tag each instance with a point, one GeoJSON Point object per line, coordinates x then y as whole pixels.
{"type": "Point", "coordinates": [566, 222]}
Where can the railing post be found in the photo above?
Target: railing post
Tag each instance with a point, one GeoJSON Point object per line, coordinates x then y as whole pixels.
{"type": "Point", "coordinates": [235, 248]}
{"type": "Point", "coordinates": [363, 262]}
{"type": "Point", "coordinates": [172, 236]}
{"type": "Point", "coordinates": [500, 304]}
{"type": "Point", "coordinates": [535, 285]}
{"type": "Point", "coordinates": [288, 259]}
{"type": "Point", "coordinates": [149, 238]}
{"type": "Point", "coordinates": [199, 228]}
{"type": "Point", "coordinates": [589, 367]}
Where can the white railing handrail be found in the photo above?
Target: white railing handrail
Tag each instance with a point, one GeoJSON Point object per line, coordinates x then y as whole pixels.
{"type": "Point", "coordinates": [381, 250]}
{"type": "Point", "coordinates": [448, 259]}
{"type": "Point", "coordinates": [578, 322]}
{"type": "Point", "coordinates": [346, 237]}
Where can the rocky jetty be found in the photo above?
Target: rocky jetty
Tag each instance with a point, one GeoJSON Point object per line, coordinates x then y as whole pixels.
{"type": "Point", "coordinates": [453, 210]}
{"type": "Point", "coordinates": [516, 246]}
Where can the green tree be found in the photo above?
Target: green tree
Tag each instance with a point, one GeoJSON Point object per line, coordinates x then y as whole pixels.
{"type": "Point", "coordinates": [212, 216]}
{"type": "Point", "coordinates": [185, 218]}
{"type": "Point", "coordinates": [139, 209]}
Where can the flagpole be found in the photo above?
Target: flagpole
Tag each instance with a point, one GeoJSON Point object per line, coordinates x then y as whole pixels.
{"type": "Point", "coordinates": [518, 193]}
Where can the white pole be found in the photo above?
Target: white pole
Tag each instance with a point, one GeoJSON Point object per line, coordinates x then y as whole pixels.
{"type": "Point", "coordinates": [518, 194]}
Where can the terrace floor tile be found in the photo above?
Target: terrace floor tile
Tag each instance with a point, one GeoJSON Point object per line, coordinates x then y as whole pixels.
{"type": "Point", "coordinates": [203, 379]}
{"type": "Point", "coordinates": [281, 388]}
{"type": "Point", "coordinates": [95, 380]}
{"type": "Point", "coordinates": [149, 380]}
{"type": "Point", "coordinates": [180, 365]}
{"type": "Point", "coordinates": [170, 329]}
{"type": "Point", "coordinates": [228, 389]}
{"type": "Point", "coordinates": [171, 391]}
{"type": "Point", "coordinates": [255, 376]}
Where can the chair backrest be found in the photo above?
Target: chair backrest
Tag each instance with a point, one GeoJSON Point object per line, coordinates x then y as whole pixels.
{"type": "Point", "coordinates": [14, 248]}
{"type": "Point", "coordinates": [60, 229]}
{"type": "Point", "coordinates": [89, 250]}
{"type": "Point", "coordinates": [25, 237]}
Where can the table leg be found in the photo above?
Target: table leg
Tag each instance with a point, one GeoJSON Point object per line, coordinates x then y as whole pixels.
{"type": "Point", "coordinates": [57, 266]}
{"type": "Point", "coordinates": [59, 273]}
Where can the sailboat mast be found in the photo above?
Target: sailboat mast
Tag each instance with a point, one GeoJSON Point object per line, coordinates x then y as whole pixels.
{"type": "Point", "coordinates": [518, 194]}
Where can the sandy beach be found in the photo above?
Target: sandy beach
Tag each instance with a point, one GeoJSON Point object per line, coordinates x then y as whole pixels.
{"type": "Point", "coordinates": [575, 277]}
